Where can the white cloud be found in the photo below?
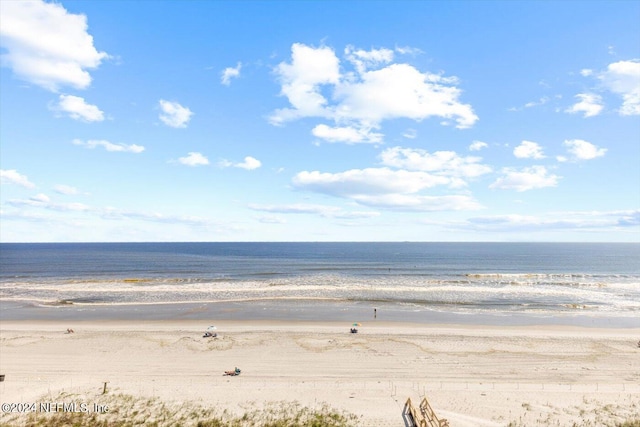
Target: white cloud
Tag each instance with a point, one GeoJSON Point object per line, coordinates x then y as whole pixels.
{"type": "Point", "coordinates": [477, 145]}
{"type": "Point", "coordinates": [313, 209]}
{"type": "Point", "coordinates": [531, 104]}
{"type": "Point", "coordinates": [586, 72]}
{"type": "Point", "coordinates": [349, 135]}
{"type": "Point", "coordinates": [541, 101]}
{"type": "Point", "coordinates": [230, 73]}
{"type": "Point", "coordinates": [296, 208]}
{"type": "Point", "coordinates": [40, 198]}
{"type": "Point", "coordinates": [78, 109]}
{"type": "Point", "coordinates": [385, 188]}
{"type": "Point", "coordinates": [363, 59]}
{"type": "Point", "coordinates": [587, 221]}
{"type": "Point", "coordinates": [402, 188]}
{"type": "Point", "coordinates": [194, 159]}
{"type": "Point", "coordinates": [367, 182]}
{"type": "Point", "coordinates": [301, 80]}
{"type": "Point", "coordinates": [11, 176]}
{"type": "Point", "coordinates": [270, 219]}
{"type": "Point", "coordinates": [582, 150]}
{"type": "Point", "coordinates": [526, 179]}
{"type": "Point", "coordinates": [401, 91]}
{"type": "Point", "coordinates": [408, 50]}
{"type": "Point", "coordinates": [46, 45]}
{"type": "Point", "coordinates": [174, 114]}
{"type": "Point", "coordinates": [410, 133]}
{"type": "Point", "coordinates": [444, 163]}
{"type": "Point", "coordinates": [589, 104]}
{"type": "Point", "coordinates": [109, 146]}
{"type": "Point", "coordinates": [623, 78]}
{"type": "Point", "coordinates": [66, 190]}
{"type": "Point", "coordinates": [360, 100]}
{"type": "Point", "coordinates": [43, 201]}
{"type": "Point", "coordinates": [418, 203]}
{"type": "Point", "coordinates": [528, 150]}
{"type": "Point", "coordinates": [629, 219]}
{"type": "Point", "coordinates": [249, 163]}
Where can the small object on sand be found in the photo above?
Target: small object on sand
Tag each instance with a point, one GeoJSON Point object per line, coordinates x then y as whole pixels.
{"type": "Point", "coordinates": [70, 331]}
{"type": "Point", "coordinates": [210, 332]}
{"type": "Point", "coordinates": [233, 373]}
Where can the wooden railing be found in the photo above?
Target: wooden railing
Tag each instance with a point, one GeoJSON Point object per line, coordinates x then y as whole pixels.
{"type": "Point", "coordinates": [423, 415]}
{"type": "Point", "coordinates": [415, 414]}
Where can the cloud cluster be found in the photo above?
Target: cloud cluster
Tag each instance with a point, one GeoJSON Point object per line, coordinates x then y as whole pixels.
{"type": "Point", "coordinates": [109, 146]}
{"type": "Point", "coordinates": [12, 176]}
{"type": "Point", "coordinates": [477, 145]}
{"type": "Point", "coordinates": [194, 159]}
{"type": "Point", "coordinates": [401, 183]}
{"type": "Point", "coordinates": [581, 150]}
{"type": "Point", "coordinates": [46, 45]}
{"type": "Point", "coordinates": [588, 103]}
{"type": "Point", "coordinates": [528, 150]}
{"type": "Point", "coordinates": [357, 101]}
{"type": "Point", "coordinates": [621, 78]}
{"type": "Point", "coordinates": [440, 163]}
{"type": "Point", "coordinates": [249, 163]}
{"type": "Point", "coordinates": [78, 109]}
{"type": "Point", "coordinates": [174, 115]}
{"type": "Point", "coordinates": [42, 201]}
{"type": "Point", "coordinates": [313, 209]}
{"type": "Point", "coordinates": [230, 73]}
{"type": "Point", "coordinates": [66, 190]}
{"type": "Point", "coordinates": [553, 221]}
{"type": "Point", "coordinates": [541, 101]}
{"type": "Point", "coordinates": [525, 179]}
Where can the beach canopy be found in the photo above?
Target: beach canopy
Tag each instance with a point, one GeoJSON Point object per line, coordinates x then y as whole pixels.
{"type": "Point", "coordinates": [357, 324]}
{"type": "Point", "coordinates": [211, 328]}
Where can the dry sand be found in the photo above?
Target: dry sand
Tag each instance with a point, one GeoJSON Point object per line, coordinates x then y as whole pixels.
{"type": "Point", "coordinates": [472, 375]}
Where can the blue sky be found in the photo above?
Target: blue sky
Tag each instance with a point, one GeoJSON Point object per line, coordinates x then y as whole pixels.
{"type": "Point", "coordinates": [320, 121]}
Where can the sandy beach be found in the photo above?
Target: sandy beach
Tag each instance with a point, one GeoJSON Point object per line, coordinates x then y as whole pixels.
{"type": "Point", "coordinates": [471, 375]}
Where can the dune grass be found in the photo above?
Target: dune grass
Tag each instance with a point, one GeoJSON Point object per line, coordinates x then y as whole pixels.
{"type": "Point", "coordinates": [129, 411]}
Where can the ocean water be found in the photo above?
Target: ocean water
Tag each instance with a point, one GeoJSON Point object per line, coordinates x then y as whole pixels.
{"type": "Point", "coordinates": [584, 283]}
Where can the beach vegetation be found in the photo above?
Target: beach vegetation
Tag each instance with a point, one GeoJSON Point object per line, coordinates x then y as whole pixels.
{"type": "Point", "coordinates": [129, 411]}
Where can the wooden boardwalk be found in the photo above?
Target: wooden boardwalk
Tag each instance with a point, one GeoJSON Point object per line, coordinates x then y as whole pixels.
{"type": "Point", "coordinates": [423, 415]}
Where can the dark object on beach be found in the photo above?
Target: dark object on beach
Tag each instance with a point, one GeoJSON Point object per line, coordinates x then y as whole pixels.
{"type": "Point", "coordinates": [1, 378]}
{"type": "Point", "coordinates": [354, 330]}
{"type": "Point", "coordinates": [209, 335]}
{"type": "Point", "coordinates": [233, 373]}
{"type": "Point", "coordinates": [638, 344]}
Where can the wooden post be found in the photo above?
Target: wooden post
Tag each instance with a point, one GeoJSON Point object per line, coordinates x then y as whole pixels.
{"type": "Point", "coordinates": [104, 389]}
